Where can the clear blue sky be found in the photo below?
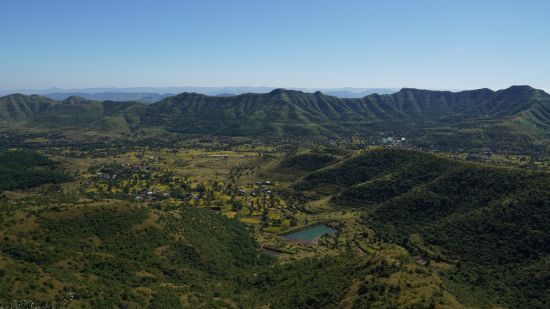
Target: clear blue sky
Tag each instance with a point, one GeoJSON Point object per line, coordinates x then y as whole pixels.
{"type": "Point", "coordinates": [358, 43]}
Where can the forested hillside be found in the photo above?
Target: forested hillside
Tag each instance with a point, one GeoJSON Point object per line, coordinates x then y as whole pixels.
{"type": "Point", "coordinates": [491, 222]}
{"type": "Point", "coordinates": [116, 254]}
{"type": "Point", "coordinates": [514, 119]}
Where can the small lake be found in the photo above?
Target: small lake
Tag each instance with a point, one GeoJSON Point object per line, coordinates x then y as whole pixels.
{"type": "Point", "coordinates": [311, 234]}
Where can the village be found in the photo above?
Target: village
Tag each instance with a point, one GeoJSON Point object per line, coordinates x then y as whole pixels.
{"type": "Point", "coordinates": [165, 180]}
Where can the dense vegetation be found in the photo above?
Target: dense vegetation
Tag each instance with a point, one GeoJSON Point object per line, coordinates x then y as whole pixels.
{"type": "Point", "coordinates": [307, 162]}
{"type": "Point", "coordinates": [116, 255]}
{"type": "Point", "coordinates": [492, 222]}
{"type": "Point", "coordinates": [21, 169]}
{"type": "Point", "coordinates": [388, 279]}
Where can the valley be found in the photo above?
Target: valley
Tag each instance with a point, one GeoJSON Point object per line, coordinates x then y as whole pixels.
{"type": "Point", "coordinates": [101, 206]}
{"type": "Point", "coordinates": [275, 154]}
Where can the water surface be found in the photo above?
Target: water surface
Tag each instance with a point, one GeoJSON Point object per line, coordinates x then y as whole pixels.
{"type": "Point", "coordinates": [311, 234]}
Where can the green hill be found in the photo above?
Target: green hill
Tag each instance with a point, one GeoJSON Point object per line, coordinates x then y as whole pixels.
{"type": "Point", "coordinates": [492, 223]}
{"type": "Point", "coordinates": [116, 254]}
{"type": "Point", "coordinates": [388, 279]}
{"type": "Point", "coordinates": [73, 113]}
{"type": "Point", "coordinates": [19, 107]}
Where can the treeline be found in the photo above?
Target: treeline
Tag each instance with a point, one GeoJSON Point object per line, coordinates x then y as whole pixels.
{"type": "Point", "coordinates": [22, 169]}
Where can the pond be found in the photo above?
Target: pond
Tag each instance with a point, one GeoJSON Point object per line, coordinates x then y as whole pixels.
{"type": "Point", "coordinates": [311, 234]}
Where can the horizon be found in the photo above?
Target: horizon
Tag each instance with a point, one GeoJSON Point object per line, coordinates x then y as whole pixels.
{"type": "Point", "coordinates": [244, 90]}
{"type": "Point", "coordinates": [309, 44]}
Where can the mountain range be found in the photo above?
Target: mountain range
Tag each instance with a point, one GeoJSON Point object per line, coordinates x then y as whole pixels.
{"type": "Point", "coordinates": [518, 116]}
{"type": "Point", "coordinates": [155, 94]}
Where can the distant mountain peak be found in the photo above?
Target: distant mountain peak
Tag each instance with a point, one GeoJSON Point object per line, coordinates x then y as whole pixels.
{"type": "Point", "coordinates": [519, 88]}
{"type": "Point", "coordinates": [14, 95]}
{"type": "Point", "coordinates": [279, 91]}
{"type": "Point", "coordinates": [184, 95]}
{"type": "Point", "coordinates": [20, 96]}
{"type": "Point", "coordinates": [75, 98]}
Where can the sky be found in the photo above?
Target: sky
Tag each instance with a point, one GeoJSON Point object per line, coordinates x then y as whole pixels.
{"type": "Point", "coordinates": [428, 44]}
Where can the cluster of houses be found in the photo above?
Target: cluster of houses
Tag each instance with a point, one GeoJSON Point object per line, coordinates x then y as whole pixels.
{"type": "Point", "coordinates": [115, 173]}
{"type": "Point", "coordinates": [153, 195]}
{"type": "Point", "coordinates": [264, 186]}
{"type": "Point", "coordinates": [399, 143]}
{"type": "Point", "coordinates": [391, 140]}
